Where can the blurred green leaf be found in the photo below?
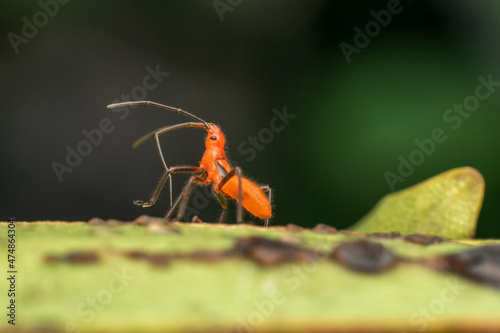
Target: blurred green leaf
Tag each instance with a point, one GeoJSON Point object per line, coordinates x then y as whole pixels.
{"type": "Point", "coordinates": [446, 205]}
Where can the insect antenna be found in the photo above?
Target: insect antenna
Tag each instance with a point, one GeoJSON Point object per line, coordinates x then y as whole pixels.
{"type": "Point", "coordinates": [156, 133]}
{"type": "Point", "coordinates": [116, 105]}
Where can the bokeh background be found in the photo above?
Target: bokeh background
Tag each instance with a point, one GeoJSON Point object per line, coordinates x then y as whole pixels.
{"type": "Point", "coordinates": [353, 119]}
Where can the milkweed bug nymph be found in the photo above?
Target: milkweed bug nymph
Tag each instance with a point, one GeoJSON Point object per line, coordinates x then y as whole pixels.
{"type": "Point", "coordinates": [227, 182]}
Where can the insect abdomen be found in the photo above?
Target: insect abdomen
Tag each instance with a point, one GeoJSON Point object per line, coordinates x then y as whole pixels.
{"type": "Point", "coordinates": [253, 198]}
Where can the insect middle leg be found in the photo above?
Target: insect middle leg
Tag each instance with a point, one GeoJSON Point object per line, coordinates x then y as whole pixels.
{"type": "Point", "coordinates": [223, 203]}
{"type": "Point", "coordinates": [162, 182]}
{"type": "Point", "coordinates": [182, 199]}
{"type": "Point", "coordinates": [264, 188]}
{"type": "Point", "coordinates": [235, 171]}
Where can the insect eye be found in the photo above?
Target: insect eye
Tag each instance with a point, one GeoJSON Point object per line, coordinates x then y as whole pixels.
{"type": "Point", "coordinates": [213, 137]}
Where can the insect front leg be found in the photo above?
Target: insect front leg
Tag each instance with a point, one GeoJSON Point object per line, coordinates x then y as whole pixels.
{"type": "Point", "coordinates": [162, 182]}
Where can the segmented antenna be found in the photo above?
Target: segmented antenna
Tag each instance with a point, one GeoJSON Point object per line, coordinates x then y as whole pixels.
{"type": "Point", "coordinates": [117, 105]}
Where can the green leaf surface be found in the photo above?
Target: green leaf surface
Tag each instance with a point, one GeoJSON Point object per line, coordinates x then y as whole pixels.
{"type": "Point", "coordinates": [446, 205]}
{"type": "Point", "coordinates": [120, 294]}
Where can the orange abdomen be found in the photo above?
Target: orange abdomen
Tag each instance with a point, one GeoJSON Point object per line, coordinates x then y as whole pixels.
{"type": "Point", "coordinates": [253, 198]}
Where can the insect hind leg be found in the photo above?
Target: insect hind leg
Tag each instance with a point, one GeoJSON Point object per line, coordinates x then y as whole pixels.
{"type": "Point", "coordinates": [269, 191]}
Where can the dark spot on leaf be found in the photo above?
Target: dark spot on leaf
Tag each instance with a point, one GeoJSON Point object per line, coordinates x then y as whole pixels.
{"type": "Point", "coordinates": [481, 264]}
{"type": "Point", "coordinates": [82, 257]}
{"type": "Point", "coordinates": [324, 229]}
{"type": "Point", "coordinates": [424, 239]}
{"type": "Point", "coordinates": [364, 256]}
{"type": "Point", "coordinates": [51, 258]}
{"type": "Point", "coordinates": [268, 252]}
{"type": "Point", "coordinates": [164, 259]}
{"type": "Point", "coordinates": [74, 257]}
{"type": "Point", "coordinates": [155, 259]}
{"type": "Point", "coordinates": [136, 254]}
{"type": "Point", "coordinates": [205, 256]}
{"type": "Point", "coordinates": [392, 234]}
{"type": "Point", "coordinates": [159, 259]}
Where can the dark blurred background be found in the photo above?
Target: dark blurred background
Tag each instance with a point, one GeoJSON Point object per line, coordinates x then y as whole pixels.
{"type": "Point", "coordinates": [232, 63]}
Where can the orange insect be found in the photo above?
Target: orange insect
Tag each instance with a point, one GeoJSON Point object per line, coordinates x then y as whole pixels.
{"type": "Point", "coordinates": [214, 169]}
